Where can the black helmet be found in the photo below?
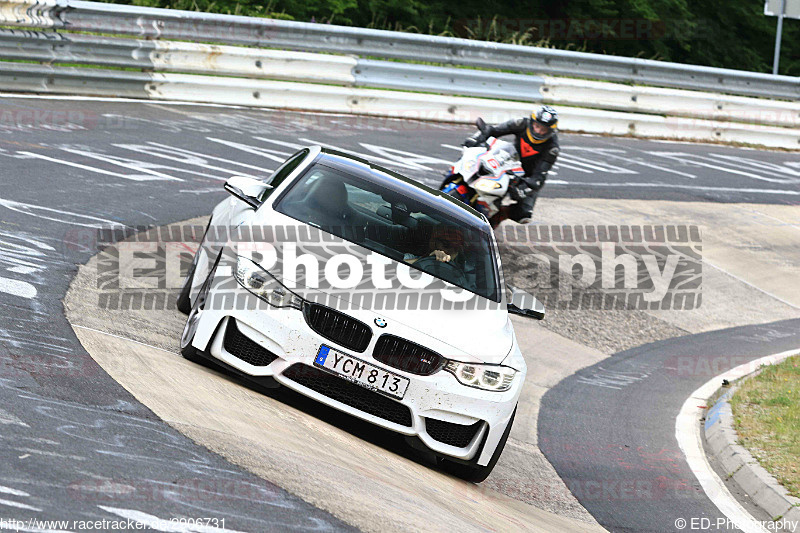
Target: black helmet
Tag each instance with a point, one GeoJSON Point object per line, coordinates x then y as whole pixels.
{"type": "Point", "coordinates": [546, 116]}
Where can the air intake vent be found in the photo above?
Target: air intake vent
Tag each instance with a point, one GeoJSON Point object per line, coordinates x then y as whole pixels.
{"type": "Point", "coordinates": [350, 394]}
{"type": "Point", "coordinates": [338, 327]}
{"type": "Point", "coordinates": [246, 349]}
{"type": "Point", "coordinates": [406, 355]}
{"type": "Point", "coordinates": [453, 434]}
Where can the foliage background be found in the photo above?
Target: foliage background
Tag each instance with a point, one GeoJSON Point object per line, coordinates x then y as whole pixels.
{"type": "Point", "coordinates": [721, 33]}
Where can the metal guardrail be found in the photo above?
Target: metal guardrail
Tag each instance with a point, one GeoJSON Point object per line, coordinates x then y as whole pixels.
{"type": "Point", "coordinates": [156, 68]}
{"type": "Point", "coordinates": [156, 23]}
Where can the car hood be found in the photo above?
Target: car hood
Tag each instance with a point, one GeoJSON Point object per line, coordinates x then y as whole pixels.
{"type": "Point", "coordinates": [475, 335]}
{"type": "Point", "coordinates": [483, 336]}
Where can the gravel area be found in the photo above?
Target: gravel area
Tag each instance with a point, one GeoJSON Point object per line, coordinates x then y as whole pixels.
{"type": "Point", "coordinates": [607, 330]}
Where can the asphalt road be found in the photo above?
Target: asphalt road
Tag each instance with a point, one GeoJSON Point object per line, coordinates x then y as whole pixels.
{"type": "Point", "coordinates": [609, 429]}
{"type": "Point", "coordinates": [77, 445]}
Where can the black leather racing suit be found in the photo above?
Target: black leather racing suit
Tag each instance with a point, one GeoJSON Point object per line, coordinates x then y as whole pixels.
{"type": "Point", "coordinates": [537, 158]}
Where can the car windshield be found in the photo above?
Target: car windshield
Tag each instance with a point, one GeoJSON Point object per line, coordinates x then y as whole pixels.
{"type": "Point", "coordinates": [399, 221]}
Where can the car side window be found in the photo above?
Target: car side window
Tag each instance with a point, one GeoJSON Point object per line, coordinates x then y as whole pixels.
{"type": "Point", "coordinates": [283, 171]}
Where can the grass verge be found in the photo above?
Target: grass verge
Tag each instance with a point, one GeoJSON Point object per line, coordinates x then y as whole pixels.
{"type": "Point", "coordinates": [766, 412]}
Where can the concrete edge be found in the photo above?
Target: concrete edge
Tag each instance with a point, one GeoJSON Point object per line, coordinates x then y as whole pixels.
{"type": "Point", "coordinates": [738, 463]}
{"type": "Point", "coordinates": [689, 437]}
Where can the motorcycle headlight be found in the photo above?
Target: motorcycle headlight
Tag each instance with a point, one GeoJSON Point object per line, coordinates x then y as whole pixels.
{"type": "Point", "coordinates": [496, 378]}
{"type": "Point", "coordinates": [264, 285]}
{"type": "Point", "coordinates": [487, 185]}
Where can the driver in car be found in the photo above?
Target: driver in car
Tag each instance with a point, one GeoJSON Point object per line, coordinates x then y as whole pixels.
{"type": "Point", "coordinates": [445, 245]}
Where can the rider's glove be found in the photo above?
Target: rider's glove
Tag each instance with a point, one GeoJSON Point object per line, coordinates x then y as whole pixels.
{"type": "Point", "coordinates": [476, 139]}
{"type": "Point", "coordinates": [470, 142]}
{"type": "Point", "coordinates": [534, 184]}
{"type": "Point", "coordinates": [517, 191]}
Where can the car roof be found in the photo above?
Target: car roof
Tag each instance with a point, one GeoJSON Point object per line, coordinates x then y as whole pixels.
{"type": "Point", "coordinates": [363, 168]}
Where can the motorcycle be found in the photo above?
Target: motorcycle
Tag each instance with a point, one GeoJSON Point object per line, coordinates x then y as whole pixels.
{"type": "Point", "coordinates": [484, 176]}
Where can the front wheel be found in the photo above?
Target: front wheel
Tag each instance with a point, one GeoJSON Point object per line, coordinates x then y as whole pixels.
{"type": "Point", "coordinates": [184, 303]}
{"type": "Point", "coordinates": [472, 471]}
{"type": "Point", "coordinates": [188, 351]}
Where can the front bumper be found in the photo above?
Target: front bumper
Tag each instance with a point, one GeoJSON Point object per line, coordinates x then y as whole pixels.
{"type": "Point", "coordinates": [441, 412]}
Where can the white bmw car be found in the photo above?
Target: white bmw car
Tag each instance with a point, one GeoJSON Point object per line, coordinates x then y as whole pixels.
{"type": "Point", "coordinates": [368, 292]}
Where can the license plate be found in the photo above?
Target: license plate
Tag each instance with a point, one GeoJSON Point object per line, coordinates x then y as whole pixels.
{"type": "Point", "coordinates": [361, 372]}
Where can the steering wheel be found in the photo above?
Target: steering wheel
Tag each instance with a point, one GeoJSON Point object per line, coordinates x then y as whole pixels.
{"type": "Point", "coordinates": [445, 270]}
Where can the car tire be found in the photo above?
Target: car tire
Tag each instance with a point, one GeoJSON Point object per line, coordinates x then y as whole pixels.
{"type": "Point", "coordinates": [184, 303]}
{"type": "Point", "coordinates": [188, 351]}
{"type": "Point", "coordinates": [472, 471]}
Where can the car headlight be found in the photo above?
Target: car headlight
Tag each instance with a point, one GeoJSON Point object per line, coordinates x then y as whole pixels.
{"type": "Point", "coordinates": [264, 285]}
{"type": "Point", "coordinates": [487, 377]}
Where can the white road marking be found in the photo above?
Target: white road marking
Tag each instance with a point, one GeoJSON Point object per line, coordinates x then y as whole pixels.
{"type": "Point", "coordinates": [263, 152]}
{"type": "Point", "coordinates": [595, 164]}
{"type": "Point", "coordinates": [188, 158]}
{"type": "Point", "coordinates": [697, 160]}
{"type": "Point", "coordinates": [789, 174]}
{"type": "Point", "coordinates": [293, 146]}
{"type": "Point", "coordinates": [564, 164]}
{"type": "Point", "coordinates": [23, 289]}
{"type": "Point", "coordinates": [687, 432]}
{"type": "Point", "coordinates": [18, 505]}
{"type": "Point", "coordinates": [611, 153]}
{"type": "Point", "coordinates": [371, 157]}
{"type": "Point", "coordinates": [403, 157]}
{"type": "Point", "coordinates": [21, 527]}
{"type": "Point", "coordinates": [450, 146]}
{"type": "Point", "coordinates": [676, 186]}
{"type": "Point", "coordinates": [86, 167]}
{"type": "Point", "coordinates": [50, 454]}
{"type": "Point", "coordinates": [206, 156]}
{"type": "Point", "coordinates": [23, 270]}
{"type": "Point", "coordinates": [13, 492]}
{"type": "Point", "coordinates": [131, 164]}
{"type": "Point", "coordinates": [612, 379]}
{"type": "Point", "coordinates": [7, 418]}
{"type": "Point", "coordinates": [33, 210]}
{"type": "Point", "coordinates": [159, 524]}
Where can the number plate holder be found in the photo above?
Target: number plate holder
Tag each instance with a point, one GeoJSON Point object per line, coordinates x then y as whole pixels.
{"type": "Point", "coordinates": [360, 372]}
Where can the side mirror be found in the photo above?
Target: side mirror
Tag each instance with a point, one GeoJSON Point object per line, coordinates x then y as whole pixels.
{"type": "Point", "coordinates": [524, 304]}
{"type": "Point", "coordinates": [246, 189]}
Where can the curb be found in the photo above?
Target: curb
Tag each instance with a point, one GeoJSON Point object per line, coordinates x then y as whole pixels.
{"type": "Point", "coordinates": [739, 464]}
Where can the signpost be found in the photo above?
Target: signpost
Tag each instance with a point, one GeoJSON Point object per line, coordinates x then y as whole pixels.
{"type": "Point", "coordinates": [781, 9]}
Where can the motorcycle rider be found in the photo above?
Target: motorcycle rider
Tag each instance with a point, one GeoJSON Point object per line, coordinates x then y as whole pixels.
{"type": "Point", "coordinates": [536, 141]}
